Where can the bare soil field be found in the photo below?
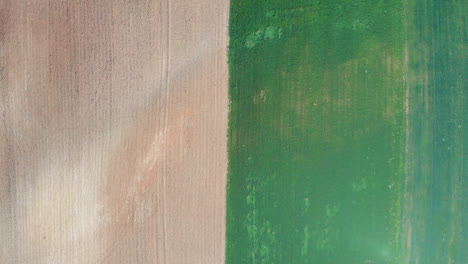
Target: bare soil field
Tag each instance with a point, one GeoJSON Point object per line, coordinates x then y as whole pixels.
{"type": "Point", "coordinates": [113, 131]}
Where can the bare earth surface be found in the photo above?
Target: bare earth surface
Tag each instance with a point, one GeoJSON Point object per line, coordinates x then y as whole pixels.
{"type": "Point", "coordinates": [113, 131]}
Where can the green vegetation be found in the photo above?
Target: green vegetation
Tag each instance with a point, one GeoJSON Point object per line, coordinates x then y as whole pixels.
{"type": "Point", "coordinates": [316, 132]}
{"type": "Point", "coordinates": [346, 132]}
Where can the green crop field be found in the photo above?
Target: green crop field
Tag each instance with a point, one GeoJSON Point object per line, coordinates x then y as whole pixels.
{"type": "Point", "coordinates": [346, 132]}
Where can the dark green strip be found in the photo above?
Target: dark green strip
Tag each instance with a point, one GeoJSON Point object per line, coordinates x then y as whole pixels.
{"type": "Point", "coordinates": [435, 216]}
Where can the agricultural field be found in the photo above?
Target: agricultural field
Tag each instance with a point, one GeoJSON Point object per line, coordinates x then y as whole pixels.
{"type": "Point", "coordinates": [346, 132]}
